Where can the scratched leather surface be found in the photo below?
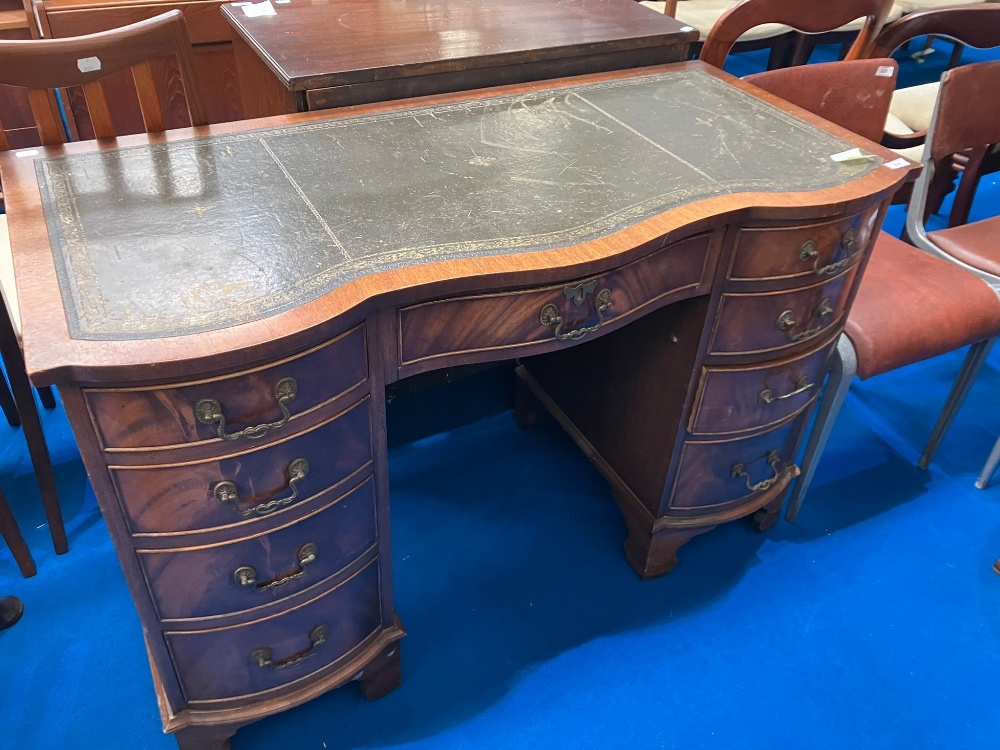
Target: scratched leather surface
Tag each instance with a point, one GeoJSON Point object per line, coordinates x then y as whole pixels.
{"type": "Point", "coordinates": [190, 236]}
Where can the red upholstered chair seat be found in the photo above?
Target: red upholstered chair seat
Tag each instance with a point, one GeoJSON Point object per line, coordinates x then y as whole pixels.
{"type": "Point", "coordinates": [913, 306]}
{"type": "Point", "coordinates": [976, 244]}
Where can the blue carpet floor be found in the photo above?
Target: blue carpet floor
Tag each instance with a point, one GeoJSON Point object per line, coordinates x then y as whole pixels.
{"type": "Point", "coordinates": [874, 622]}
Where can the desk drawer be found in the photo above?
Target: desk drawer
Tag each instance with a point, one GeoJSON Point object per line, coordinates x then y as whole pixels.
{"type": "Point", "coordinates": [823, 250]}
{"type": "Point", "coordinates": [251, 572]}
{"type": "Point", "coordinates": [564, 312]}
{"type": "Point", "coordinates": [157, 417]}
{"type": "Point", "coordinates": [241, 487]}
{"type": "Point", "coordinates": [773, 321]}
{"type": "Point", "coordinates": [712, 476]}
{"type": "Point", "coordinates": [264, 654]}
{"type": "Point", "coordinates": [736, 399]}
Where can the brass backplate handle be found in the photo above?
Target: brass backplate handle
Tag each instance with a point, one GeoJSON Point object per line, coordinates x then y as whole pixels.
{"type": "Point", "coordinates": [262, 656]}
{"type": "Point", "coordinates": [809, 251]}
{"type": "Point", "coordinates": [209, 411]}
{"type": "Point", "coordinates": [767, 395]}
{"type": "Point", "coordinates": [226, 491]}
{"type": "Point", "coordinates": [549, 315]}
{"type": "Point", "coordinates": [247, 576]}
{"type": "Point", "coordinates": [788, 323]}
{"type": "Point", "coordinates": [774, 461]}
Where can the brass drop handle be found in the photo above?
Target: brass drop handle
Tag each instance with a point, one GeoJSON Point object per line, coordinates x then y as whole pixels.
{"type": "Point", "coordinates": [786, 322]}
{"type": "Point", "coordinates": [767, 395]}
{"type": "Point", "coordinates": [209, 411]}
{"type": "Point", "coordinates": [226, 491]}
{"type": "Point", "coordinates": [774, 461]}
{"type": "Point", "coordinates": [247, 576]}
{"type": "Point", "coordinates": [262, 656]}
{"type": "Point", "coordinates": [809, 251]}
{"type": "Point", "coordinates": [549, 315]}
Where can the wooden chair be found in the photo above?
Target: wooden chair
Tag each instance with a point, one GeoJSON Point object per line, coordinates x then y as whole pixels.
{"type": "Point", "coordinates": [910, 305]}
{"type": "Point", "coordinates": [12, 535]}
{"type": "Point", "coordinates": [42, 66]}
{"type": "Point", "coordinates": [808, 17]}
{"type": "Point", "coordinates": [974, 25]}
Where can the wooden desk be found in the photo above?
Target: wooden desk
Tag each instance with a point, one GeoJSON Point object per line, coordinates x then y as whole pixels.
{"type": "Point", "coordinates": [670, 257]}
{"type": "Point", "coordinates": [316, 55]}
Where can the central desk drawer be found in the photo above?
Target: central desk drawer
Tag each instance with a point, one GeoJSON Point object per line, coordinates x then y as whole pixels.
{"type": "Point", "coordinates": [268, 653]}
{"type": "Point", "coordinates": [169, 417]}
{"type": "Point", "coordinates": [564, 312]}
{"type": "Point", "coordinates": [242, 487]}
{"type": "Point", "coordinates": [251, 572]}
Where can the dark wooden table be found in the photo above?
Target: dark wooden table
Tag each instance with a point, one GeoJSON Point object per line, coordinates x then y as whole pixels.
{"type": "Point", "coordinates": [670, 253]}
{"type": "Point", "coordinates": [313, 55]}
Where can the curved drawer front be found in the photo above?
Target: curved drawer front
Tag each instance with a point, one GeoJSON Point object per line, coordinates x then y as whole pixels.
{"type": "Point", "coordinates": [736, 399]}
{"type": "Point", "coordinates": [822, 250]}
{"type": "Point", "coordinates": [770, 322]}
{"type": "Point", "coordinates": [264, 654]}
{"type": "Point", "coordinates": [243, 487]}
{"type": "Point", "coordinates": [567, 313]}
{"type": "Point", "coordinates": [713, 475]}
{"type": "Point", "coordinates": [237, 576]}
{"type": "Point", "coordinates": [156, 418]}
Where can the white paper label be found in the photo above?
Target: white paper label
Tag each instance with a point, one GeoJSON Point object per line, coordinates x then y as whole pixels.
{"type": "Point", "coordinates": [88, 64]}
{"type": "Point", "coordinates": [28, 152]}
{"type": "Point", "coordinates": [687, 28]}
{"type": "Point", "coordinates": [884, 71]}
{"type": "Point", "coordinates": [897, 163]}
{"type": "Point", "coordinates": [255, 10]}
{"type": "Point", "coordinates": [853, 154]}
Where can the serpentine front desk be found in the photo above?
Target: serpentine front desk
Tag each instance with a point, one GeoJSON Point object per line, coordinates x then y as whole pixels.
{"type": "Point", "coordinates": [669, 254]}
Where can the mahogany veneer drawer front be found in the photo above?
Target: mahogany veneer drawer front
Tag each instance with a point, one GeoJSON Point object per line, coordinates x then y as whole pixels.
{"type": "Point", "coordinates": [266, 398]}
{"type": "Point", "coordinates": [769, 322]}
{"type": "Point", "coordinates": [564, 312]}
{"type": "Point", "coordinates": [251, 572]}
{"type": "Point", "coordinates": [246, 485]}
{"type": "Point", "coordinates": [273, 651]}
{"type": "Point", "coordinates": [823, 249]}
{"type": "Point", "coordinates": [717, 474]}
{"type": "Point", "coordinates": [736, 399]}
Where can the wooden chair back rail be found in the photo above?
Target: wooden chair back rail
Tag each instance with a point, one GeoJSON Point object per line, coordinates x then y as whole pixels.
{"type": "Point", "coordinates": [972, 25]}
{"type": "Point", "coordinates": [970, 86]}
{"type": "Point", "coordinates": [853, 94]}
{"type": "Point", "coordinates": [46, 64]}
{"type": "Point", "coordinates": [808, 17]}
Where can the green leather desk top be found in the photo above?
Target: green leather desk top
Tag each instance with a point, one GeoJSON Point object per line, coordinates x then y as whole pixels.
{"type": "Point", "coordinates": [195, 235]}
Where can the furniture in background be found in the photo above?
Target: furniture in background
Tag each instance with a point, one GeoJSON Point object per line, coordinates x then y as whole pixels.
{"type": "Point", "coordinates": [315, 55]}
{"type": "Point", "coordinates": [212, 55]}
{"type": "Point", "coordinates": [234, 427]}
{"type": "Point", "coordinates": [911, 305]}
{"type": "Point", "coordinates": [11, 534]}
{"type": "Point", "coordinates": [40, 66]}
{"type": "Point", "coordinates": [810, 18]}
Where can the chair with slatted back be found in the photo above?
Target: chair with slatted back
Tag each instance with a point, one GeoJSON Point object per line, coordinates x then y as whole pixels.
{"type": "Point", "coordinates": [911, 305]}
{"type": "Point", "coordinates": [44, 66]}
{"type": "Point", "coordinates": [911, 108]}
{"type": "Point", "coordinates": [807, 17]}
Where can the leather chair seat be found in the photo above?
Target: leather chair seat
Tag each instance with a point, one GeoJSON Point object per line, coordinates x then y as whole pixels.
{"type": "Point", "coordinates": [702, 15]}
{"type": "Point", "coordinates": [7, 276]}
{"type": "Point", "coordinates": [912, 6]}
{"type": "Point", "coordinates": [976, 244]}
{"type": "Point", "coordinates": [894, 13]}
{"type": "Point", "coordinates": [914, 105]}
{"type": "Point", "coordinates": [912, 306]}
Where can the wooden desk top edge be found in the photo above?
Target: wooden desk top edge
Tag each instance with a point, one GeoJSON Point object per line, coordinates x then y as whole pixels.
{"type": "Point", "coordinates": [53, 357]}
{"type": "Point", "coordinates": [431, 66]}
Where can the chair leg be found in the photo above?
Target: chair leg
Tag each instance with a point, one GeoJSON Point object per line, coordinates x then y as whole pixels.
{"type": "Point", "coordinates": [956, 54]}
{"type": "Point", "coordinates": [46, 397]}
{"type": "Point", "coordinates": [7, 404]}
{"type": "Point", "coordinates": [842, 371]}
{"type": "Point", "coordinates": [973, 363]}
{"type": "Point", "coordinates": [991, 466]}
{"type": "Point", "coordinates": [10, 349]}
{"type": "Point", "coordinates": [12, 535]}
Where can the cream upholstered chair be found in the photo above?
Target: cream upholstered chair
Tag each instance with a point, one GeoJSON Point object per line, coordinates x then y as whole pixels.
{"type": "Point", "coordinates": [702, 15]}
{"type": "Point", "coordinates": [42, 65]}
